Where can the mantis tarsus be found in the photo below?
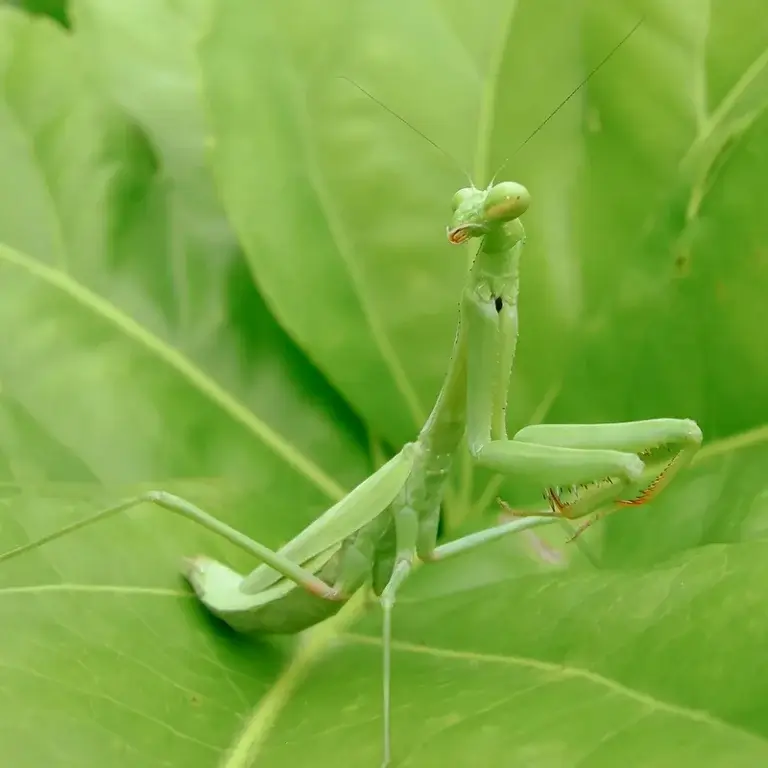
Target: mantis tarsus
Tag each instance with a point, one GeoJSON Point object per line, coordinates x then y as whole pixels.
{"type": "Point", "coordinates": [379, 530]}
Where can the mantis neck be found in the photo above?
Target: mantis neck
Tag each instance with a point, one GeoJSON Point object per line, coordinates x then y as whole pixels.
{"type": "Point", "coordinates": [494, 276]}
{"type": "Point", "coordinates": [495, 273]}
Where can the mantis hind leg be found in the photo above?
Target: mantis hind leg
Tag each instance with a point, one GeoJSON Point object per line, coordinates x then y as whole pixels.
{"type": "Point", "coordinates": [224, 591]}
{"type": "Point", "coordinates": [196, 570]}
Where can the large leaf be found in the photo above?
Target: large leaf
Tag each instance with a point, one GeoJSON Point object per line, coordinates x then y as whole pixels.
{"type": "Point", "coordinates": [108, 373]}
{"type": "Point", "coordinates": [676, 277]}
{"type": "Point", "coordinates": [100, 297]}
{"type": "Point", "coordinates": [110, 376]}
{"type": "Point", "coordinates": [56, 9]}
{"type": "Point", "coordinates": [107, 661]}
{"type": "Point", "coordinates": [142, 55]}
{"type": "Point", "coordinates": [642, 278]}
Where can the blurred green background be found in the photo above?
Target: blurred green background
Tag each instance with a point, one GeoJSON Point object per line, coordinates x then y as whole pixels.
{"type": "Point", "coordinates": [224, 273]}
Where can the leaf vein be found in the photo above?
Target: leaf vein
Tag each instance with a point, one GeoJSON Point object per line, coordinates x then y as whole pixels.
{"type": "Point", "coordinates": [181, 364]}
{"type": "Point", "coordinates": [565, 671]}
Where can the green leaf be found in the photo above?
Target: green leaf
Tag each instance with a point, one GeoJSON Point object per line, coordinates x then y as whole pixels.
{"type": "Point", "coordinates": [56, 9]}
{"type": "Point", "coordinates": [99, 300]}
{"type": "Point", "coordinates": [110, 376]}
{"type": "Point", "coordinates": [343, 243]}
{"type": "Point", "coordinates": [691, 515]}
{"type": "Point", "coordinates": [114, 664]}
{"type": "Point", "coordinates": [620, 292]}
{"type": "Point", "coordinates": [141, 353]}
{"type": "Point", "coordinates": [142, 55]}
{"type": "Point", "coordinates": [633, 668]}
{"type": "Point", "coordinates": [676, 269]}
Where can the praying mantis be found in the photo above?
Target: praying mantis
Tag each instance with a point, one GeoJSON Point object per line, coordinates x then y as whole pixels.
{"type": "Point", "coordinates": [389, 522]}
{"type": "Point", "coordinates": [379, 530]}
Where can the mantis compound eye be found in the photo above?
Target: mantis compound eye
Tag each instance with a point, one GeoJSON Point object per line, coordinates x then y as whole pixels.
{"type": "Point", "coordinates": [506, 201]}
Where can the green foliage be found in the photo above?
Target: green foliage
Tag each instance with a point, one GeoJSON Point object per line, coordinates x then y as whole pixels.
{"type": "Point", "coordinates": [221, 260]}
{"type": "Point", "coordinates": [55, 9]}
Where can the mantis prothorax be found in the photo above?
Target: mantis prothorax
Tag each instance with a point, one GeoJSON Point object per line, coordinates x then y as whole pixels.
{"type": "Point", "coordinates": [378, 531]}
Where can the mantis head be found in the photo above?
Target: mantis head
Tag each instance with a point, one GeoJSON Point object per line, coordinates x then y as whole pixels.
{"type": "Point", "coordinates": [477, 211]}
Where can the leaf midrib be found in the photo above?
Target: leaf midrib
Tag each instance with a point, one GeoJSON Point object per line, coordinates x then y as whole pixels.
{"type": "Point", "coordinates": [181, 364]}
{"type": "Point", "coordinates": [248, 743]}
{"type": "Point", "coordinates": [563, 672]}
{"type": "Point", "coordinates": [343, 248]}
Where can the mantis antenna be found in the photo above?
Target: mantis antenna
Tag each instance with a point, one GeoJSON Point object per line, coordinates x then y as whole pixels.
{"type": "Point", "coordinates": [594, 71]}
{"type": "Point", "coordinates": [412, 127]}
{"type": "Point", "coordinates": [533, 133]}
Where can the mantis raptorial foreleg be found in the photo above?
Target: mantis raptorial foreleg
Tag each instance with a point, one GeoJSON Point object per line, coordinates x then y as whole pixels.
{"type": "Point", "coordinates": [608, 456]}
{"type": "Point", "coordinates": [680, 439]}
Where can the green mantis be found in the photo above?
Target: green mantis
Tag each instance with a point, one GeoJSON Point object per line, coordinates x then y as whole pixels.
{"type": "Point", "coordinates": [379, 530]}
